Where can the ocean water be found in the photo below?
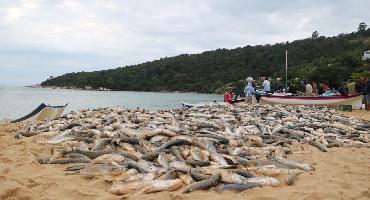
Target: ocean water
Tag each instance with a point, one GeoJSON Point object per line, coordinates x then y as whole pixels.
{"type": "Point", "coordinates": [16, 102]}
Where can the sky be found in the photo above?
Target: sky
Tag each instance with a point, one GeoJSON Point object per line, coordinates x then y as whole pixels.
{"type": "Point", "coordinates": [42, 38]}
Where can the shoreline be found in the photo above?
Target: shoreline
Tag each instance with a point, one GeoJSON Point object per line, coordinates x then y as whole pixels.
{"type": "Point", "coordinates": [112, 90]}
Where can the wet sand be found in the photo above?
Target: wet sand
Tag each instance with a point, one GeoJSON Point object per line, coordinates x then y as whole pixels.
{"type": "Point", "coordinates": [341, 173]}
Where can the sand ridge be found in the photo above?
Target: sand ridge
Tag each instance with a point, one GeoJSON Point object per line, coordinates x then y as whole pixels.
{"type": "Point", "coordinates": [341, 173]}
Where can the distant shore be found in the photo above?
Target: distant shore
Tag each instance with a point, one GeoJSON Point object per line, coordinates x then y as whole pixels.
{"type": "Point", "coordinates": [106, 89]}
{"type": "Point", "coordinates": [68, 88]}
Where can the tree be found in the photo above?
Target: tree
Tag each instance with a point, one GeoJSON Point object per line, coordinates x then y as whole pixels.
{"type": "Point", "coordinates": [362, 27]}
{"type": "Point", "coordinates": [358, 75]}
{"type": "Point", "coordinates": [315, 35]}
{"type": "Point", "coordinates": [213, 71]}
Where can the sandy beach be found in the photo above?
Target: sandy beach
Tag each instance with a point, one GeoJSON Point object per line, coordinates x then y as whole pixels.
{"type": "Point", "coordinates": [157, 100]}
{"type": "Point", "coordinates": [341, 173]}
{"type": "Point", "coordinates": [360, 114]}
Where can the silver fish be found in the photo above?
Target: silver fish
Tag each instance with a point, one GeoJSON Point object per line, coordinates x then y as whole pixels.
{"type": "Point", "coordinates": [145, 187]}
{"type": "Point", "coordinates": [163, 160]}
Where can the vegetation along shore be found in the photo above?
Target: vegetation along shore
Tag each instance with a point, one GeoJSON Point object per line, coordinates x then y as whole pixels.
{"type": "Point", "coordinates": [328, 59]}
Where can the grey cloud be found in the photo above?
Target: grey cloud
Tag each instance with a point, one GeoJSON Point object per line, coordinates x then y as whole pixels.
{"type": "Point", "coordinates": [40, 38]}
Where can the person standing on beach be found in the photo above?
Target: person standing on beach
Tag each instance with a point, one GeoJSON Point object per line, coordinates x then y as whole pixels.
{"type": "Point", "coordinates": [249, 90]}
{"type": "Point", "coordinates": [309, 89]}
{"type": "Point", "coordinates": [228, 96]}
{"type": "Point", "coordinates": [292, 88]}
{"type": "Point", "coordinates": [314, 88]}
{"type": "Point", "coordinates": [266, 85]}
{"type": "Point", "coordinates": [359, 86]}
{"type": "Point", "coordinates": [320, 89]}
{"type": "Point", "coordinates": [366, 93]}
{"type": "Point", "coordinates": [302, 88]}
{"type": "Point", "coordinates": [325, 87]}
{"type": "Point", "coordinates": [351, 87]}
{"type": "Point", "coordinates": [342, 89]}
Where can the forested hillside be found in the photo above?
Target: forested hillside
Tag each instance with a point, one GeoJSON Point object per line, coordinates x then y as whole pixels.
{"type": "Point", "coordinates": [328, 59]}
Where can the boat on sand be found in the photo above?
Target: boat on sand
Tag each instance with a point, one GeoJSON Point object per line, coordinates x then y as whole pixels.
{"type": "Point", "coordinates": [43, 112]}
{"type": "Point", "coordinates": [333, 100]}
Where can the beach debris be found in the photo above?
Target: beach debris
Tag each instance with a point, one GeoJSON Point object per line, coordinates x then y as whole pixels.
{"type": "Point", "coordinates": [216, 146]}
{"type": "Point", "coordinates": [204, 184]}
{"type": "Point", "coordinates": [145, 186]}
{"type": "Point", "coordinates": [292, 177]}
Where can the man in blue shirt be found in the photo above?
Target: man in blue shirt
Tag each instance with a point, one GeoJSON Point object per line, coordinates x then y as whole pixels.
{"type": "Point", "coordinates": [249, 90]}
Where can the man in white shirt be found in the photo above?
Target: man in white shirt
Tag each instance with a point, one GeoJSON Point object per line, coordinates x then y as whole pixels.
{"type": "Point", "coordinates": [308, 89]}
{"type": "Point", "coordinates": [266, 85]}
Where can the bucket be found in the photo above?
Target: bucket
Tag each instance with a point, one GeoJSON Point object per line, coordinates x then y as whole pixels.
{"type": "Point", "coordinates": [347, 108]}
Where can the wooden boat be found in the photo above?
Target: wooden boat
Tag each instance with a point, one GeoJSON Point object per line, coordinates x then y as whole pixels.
{"type": "Point", "coordinates": [334, 100]}
{"type": "Point", "coordinates": [43, 112]}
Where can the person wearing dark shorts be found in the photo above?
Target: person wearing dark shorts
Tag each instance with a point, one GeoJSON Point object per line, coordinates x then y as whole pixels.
{"type": "Point", "coordinates": [366, 93]}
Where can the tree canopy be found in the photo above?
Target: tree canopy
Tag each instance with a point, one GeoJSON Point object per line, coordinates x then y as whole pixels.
{"type": "Point", "coordinates": [315, 35]}
{"type": "Point", "coordinates": [362, 27]}
{"type": "Point", "coordinates": [327, 59]}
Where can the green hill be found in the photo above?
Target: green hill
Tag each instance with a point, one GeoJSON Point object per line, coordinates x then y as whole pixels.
{"type": "Point", "coordinates": [328, 59]}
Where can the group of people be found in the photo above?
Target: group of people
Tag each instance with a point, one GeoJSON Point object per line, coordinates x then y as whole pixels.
{"type": "Point", "coordinates": [309, 89]}
{"type": "Point", "coordinates": [249, 90]}
{"type": "Point", "coordinates": [306, 89]}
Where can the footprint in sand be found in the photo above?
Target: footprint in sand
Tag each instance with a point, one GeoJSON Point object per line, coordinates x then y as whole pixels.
{"type": "Point", "coordinates": [49, 186]}
{"type": "Point", "coordinates": [31, 184]}
{"type": "Point", "coordinates": [366, 193]}
{"type": "Point", "coordinates": [6, 170]}
{"type": "Point", "coordinates": [345, 185]}
{"type": "Point", "coordinates": [2, 178]}
{"type": "Point", "coordinates": [20, 165]}
{"type": "Point", "coordinates": [15, 193]}
{"type": "Point", "coordinates": [6, 160]}
{"type": "Point", "coordinates": [176, 197]}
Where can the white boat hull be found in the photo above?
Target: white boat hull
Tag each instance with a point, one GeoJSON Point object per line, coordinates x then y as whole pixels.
{"type": "Point", "coordinates": [354, 100]}
{"type": "Point", "coordinates": [43, 112]}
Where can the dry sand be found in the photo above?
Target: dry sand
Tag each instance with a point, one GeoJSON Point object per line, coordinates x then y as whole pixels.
{"type": "Point", "coordinates": [361, 114]}
{"type": "Point", "coordinates": [341, 173]}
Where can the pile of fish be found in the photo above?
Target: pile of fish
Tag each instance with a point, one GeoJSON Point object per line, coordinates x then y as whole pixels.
{"type": "Point", "coordinates": [223, 147]}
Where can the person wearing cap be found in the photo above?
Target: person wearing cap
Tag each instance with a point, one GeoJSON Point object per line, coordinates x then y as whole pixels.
{"type": "Point", "coordinates": [228, 96]}
{"type": "Point", "coordinates": [249, 90]}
